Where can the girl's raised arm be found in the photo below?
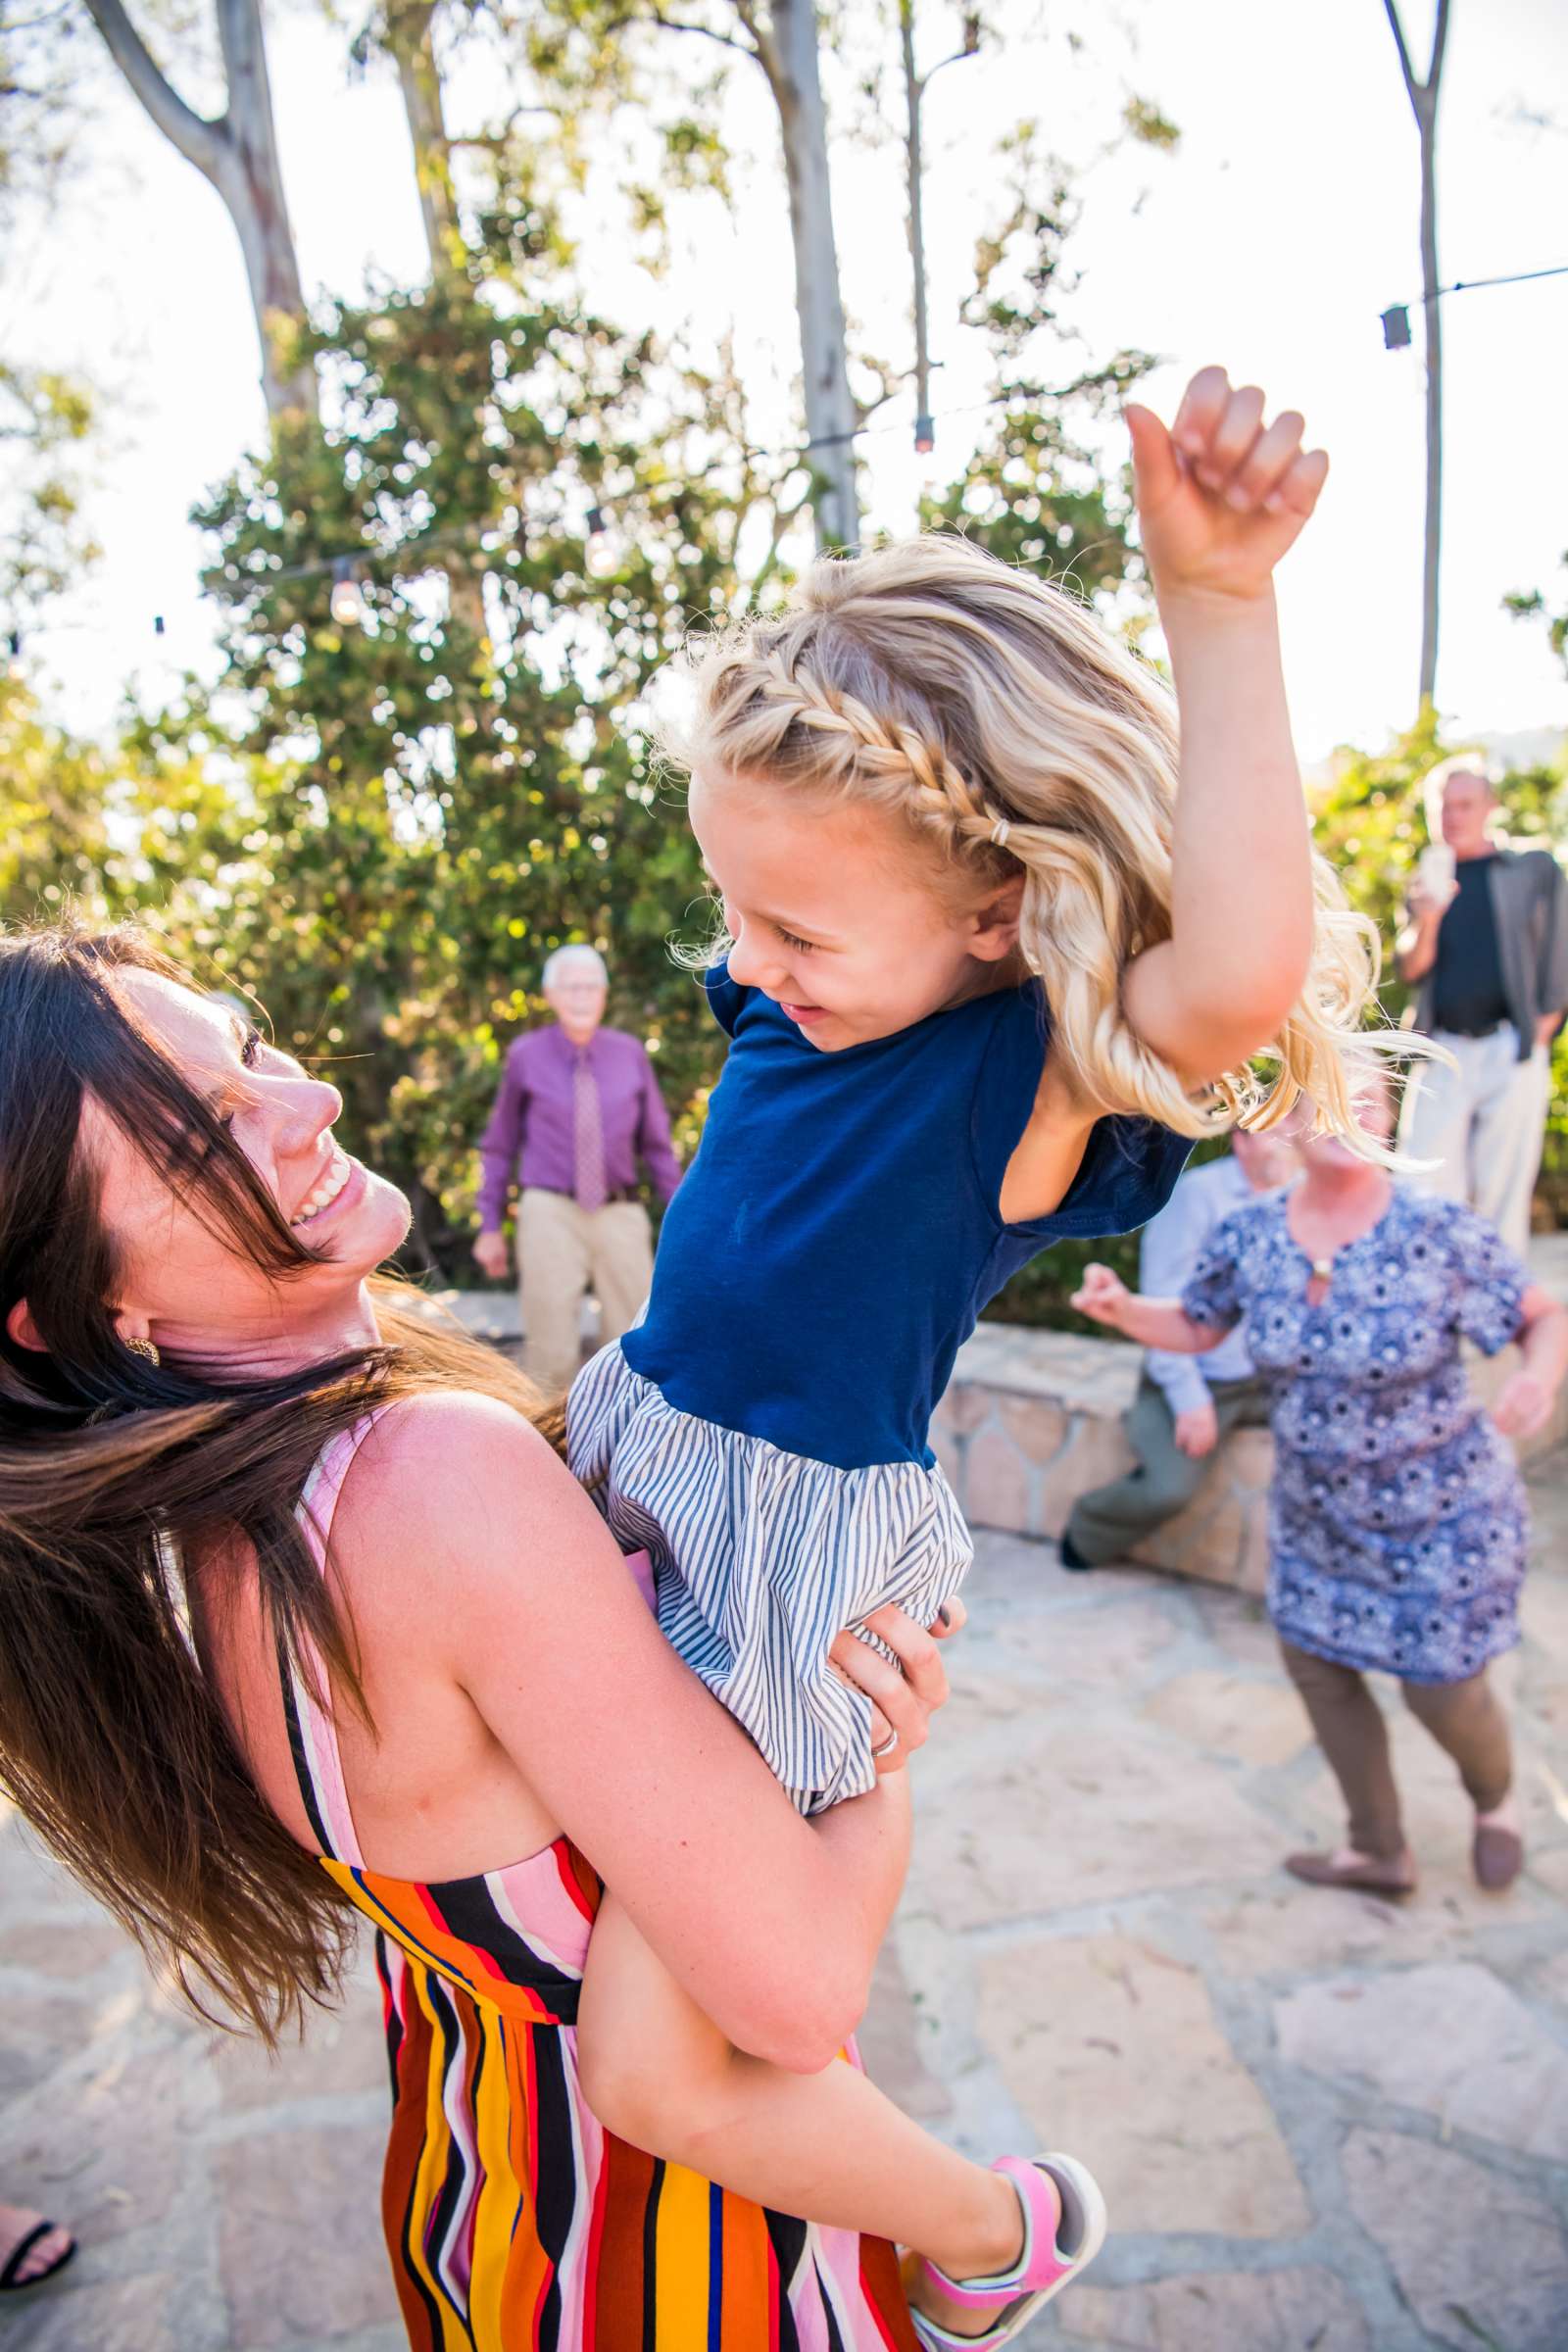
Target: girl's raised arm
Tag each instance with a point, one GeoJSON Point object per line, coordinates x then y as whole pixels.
{"type": "Point", "coordinates": [1220, 498]}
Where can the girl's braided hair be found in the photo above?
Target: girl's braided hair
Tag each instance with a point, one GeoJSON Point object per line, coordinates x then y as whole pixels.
{"type": "Point", "coordinates": [1007, 729]}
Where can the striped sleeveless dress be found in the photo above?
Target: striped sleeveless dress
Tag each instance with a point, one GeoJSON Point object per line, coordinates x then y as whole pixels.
{"type": "Point", "coordinates": [513, 2223]}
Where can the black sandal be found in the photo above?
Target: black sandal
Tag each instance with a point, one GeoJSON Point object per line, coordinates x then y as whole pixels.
{"type": "Point", "coordinates": [9, 2284]}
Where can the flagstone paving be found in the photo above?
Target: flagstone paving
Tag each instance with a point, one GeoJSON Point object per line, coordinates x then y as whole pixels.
{"type": "Point", "coordinates": [1324, 2123]}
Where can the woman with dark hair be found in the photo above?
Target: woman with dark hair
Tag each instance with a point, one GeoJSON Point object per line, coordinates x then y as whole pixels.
{"type": "Point", "coordinates": [302, 1619]}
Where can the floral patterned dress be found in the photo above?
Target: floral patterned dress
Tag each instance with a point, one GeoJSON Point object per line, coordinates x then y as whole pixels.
{"type": "Point", "coordinates": [1397, 1518]}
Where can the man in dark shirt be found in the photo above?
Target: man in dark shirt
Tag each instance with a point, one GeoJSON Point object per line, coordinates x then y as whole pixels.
{"type": "Point", "coordinates": [1488, 946]}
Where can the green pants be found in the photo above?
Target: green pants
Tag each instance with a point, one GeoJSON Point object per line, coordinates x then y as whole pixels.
{"type": "Point", "coordinates": [1464, 1718]}
{"type": "Point", "coordinates": [1107, 1523]}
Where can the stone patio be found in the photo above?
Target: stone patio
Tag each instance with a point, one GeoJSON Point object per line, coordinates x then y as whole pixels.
{"type": "Point", "coordinates": [1324, 2123]}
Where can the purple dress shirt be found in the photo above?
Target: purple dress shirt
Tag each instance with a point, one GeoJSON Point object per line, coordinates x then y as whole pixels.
{"type": "Point", "coordinates": [531, 1135]}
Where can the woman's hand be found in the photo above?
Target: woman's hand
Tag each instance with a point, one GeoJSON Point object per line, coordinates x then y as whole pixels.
{"type": "Point", "coordinates": [1102, 1295]}
{"type": "Point", "coordinates": [1524, 1406]}
{"type": "Point", "coordinates": [1221, 496]}
{"type": "Point", "coordinates": [904, 1697]}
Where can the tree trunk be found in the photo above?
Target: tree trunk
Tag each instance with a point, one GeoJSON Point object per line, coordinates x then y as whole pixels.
{"type": "Point", "coordinates": [787, 48]}
{"type": "Point", "coordinates": [238, 153]}
{"type": "Point", "coordinates": [1423, 96]}
{"type": "Point", "coordinates": [914, 165]}
{"type": "Point", "coordinates": [413, 49]}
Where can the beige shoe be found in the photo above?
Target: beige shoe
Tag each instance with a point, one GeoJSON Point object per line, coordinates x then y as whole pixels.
{"type": "Point", "coordinates": [1391, 1875]}
{"type": "Point", "coordinates": [1497, 1856]}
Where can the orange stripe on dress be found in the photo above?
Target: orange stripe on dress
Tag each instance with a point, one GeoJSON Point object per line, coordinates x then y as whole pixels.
{"type": "Point", "coordinates": [747, 2286]}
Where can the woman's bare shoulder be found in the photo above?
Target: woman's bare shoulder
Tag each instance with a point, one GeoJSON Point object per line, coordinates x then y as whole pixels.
{"type": "Point", "coordinates": [458, 1478]}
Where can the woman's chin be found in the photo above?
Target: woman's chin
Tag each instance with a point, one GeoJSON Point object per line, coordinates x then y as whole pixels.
{"type": "Point", "coordinates": [375, 1231]}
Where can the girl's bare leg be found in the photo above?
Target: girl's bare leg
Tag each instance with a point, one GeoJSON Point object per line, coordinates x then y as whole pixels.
{"type": "Point", "coordinates": [828, 2148]}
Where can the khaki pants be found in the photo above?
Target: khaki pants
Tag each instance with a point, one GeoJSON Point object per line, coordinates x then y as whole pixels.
{"type": "Point", "coordinates": [1483, 1122]}
{"type": "Point", "coordinates": [1464, 1718]}
{"type": "Point", "coordinates": [1106, 1524]}
{"type": "Point", "coordinates": [563, 1250]}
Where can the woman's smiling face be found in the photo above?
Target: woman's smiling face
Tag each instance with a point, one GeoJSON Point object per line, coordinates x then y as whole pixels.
{"type": "Point", "coordinates": [188, 1284]}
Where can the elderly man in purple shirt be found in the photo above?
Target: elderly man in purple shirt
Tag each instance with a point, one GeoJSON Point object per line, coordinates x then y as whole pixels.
{"type": "Point", "coordinates": [579, 1105]}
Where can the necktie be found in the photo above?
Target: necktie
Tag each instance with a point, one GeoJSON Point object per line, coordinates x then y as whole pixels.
{"type": "Point", "coordinates": [588, 1139]}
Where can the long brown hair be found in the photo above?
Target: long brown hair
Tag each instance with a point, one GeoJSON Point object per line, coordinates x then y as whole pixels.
{"type": "Point", "coordinates": [114, 1471]}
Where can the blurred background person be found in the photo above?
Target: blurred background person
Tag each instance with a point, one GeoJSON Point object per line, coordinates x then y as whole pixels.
{"type": "Point", "coordinates": [1486, 944]}
{"type": "Point", "coordinates": [32, 2248]}
{"type": "Point", "coordinates": [1398, 1521]}
{"type": "Point", "coordinates": [578, 1107]}
{"type": "Point", "coordinates": [1185, 1405]}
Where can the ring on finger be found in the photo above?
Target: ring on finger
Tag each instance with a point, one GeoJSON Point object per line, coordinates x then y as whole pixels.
{"type": "Point", "coordinates": [886, 1748]}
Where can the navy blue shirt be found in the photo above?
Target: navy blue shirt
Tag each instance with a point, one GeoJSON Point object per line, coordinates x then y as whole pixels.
{"type": "Point", "coordinates": [839, 1230]}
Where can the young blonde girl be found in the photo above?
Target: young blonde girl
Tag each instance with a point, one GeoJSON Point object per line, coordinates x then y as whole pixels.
{"type": "Point", "coordinates": [986, 973]}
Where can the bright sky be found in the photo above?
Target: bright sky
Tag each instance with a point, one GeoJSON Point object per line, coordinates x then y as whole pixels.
{"type": "Point", "coordinates": [1271, 240]}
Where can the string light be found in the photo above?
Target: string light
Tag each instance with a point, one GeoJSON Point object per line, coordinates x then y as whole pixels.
{"type": "Point", "coordinates": [350, 569]}
{"type": "Point", "coordinates": [347, 604]}
{"type": "Point", "coordinates": [1396, 319]}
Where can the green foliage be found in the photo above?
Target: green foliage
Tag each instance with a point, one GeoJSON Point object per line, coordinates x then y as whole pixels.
{"type": "Point", "coordinates": [1038, 490]}
{"type": "Point", "coordinates": [1142, 120]}
{"type": "Point", "coordinates": [45, 418]}
{"type": "Point", "coordinates": [419, 809]}
{"type": "Point", "coordinates": [1533, 605]}
{"type": "Point", "coordinates": [54, 841]}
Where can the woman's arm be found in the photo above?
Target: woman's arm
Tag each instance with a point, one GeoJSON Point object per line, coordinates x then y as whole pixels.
{"type": "Point", "coordinates": [1220, 501]}
{"type": "Point", "coordinates": [770, 1922]}
{"type": "Point", "coordinates": [1153, 1322]}
{"type": "Point", "coordinates": [1524, 1402]}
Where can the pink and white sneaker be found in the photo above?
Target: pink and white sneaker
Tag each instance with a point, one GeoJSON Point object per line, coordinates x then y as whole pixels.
{"type": "Point", "coordinates": [1056, 2250]}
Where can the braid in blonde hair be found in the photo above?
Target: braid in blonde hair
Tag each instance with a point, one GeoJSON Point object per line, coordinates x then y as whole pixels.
{"type": "Point", "coordinates": [997, 720]}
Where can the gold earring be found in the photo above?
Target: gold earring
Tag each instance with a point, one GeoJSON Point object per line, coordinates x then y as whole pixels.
{"type": "Point", "coordinates": [144, 1347]}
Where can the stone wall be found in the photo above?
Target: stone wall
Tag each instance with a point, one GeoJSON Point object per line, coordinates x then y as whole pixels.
{"type": "Point", "coordinates": [1032, 1420]}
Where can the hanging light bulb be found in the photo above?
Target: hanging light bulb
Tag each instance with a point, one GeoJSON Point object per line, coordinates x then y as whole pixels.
{"type": "Point", "coordinates": [348, 605]}
{"type": "Point", "coordinates": [601, 555]}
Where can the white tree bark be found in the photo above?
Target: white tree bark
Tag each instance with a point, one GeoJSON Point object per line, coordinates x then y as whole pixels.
{"type": "Point", "coordinates": [238, 153]}
{"type": "Point", "coordinates": [786, 47]}
{"type": "Point", "coordinates": [1423, 97]}
{"type": "Point", "coordinates": [408, 38]}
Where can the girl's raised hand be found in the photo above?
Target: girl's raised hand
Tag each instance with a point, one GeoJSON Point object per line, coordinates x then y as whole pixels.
{"type": "Point", "coordinates": [1221, 496]}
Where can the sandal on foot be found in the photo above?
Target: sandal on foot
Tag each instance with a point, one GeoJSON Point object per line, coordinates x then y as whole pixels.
{"type": "Point", "coordinates": [9, 2284]}
{"type": "Point", "coordinates": [1061, 2237]}
{"type": "Point", "coordinates": [1394, 1875]}
{"type": "Point", "coordinates": [1497, 1856]}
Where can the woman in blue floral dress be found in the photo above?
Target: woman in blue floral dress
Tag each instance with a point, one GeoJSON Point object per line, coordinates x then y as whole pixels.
{"type": "Point", "coordinates": [1397, 1521]}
